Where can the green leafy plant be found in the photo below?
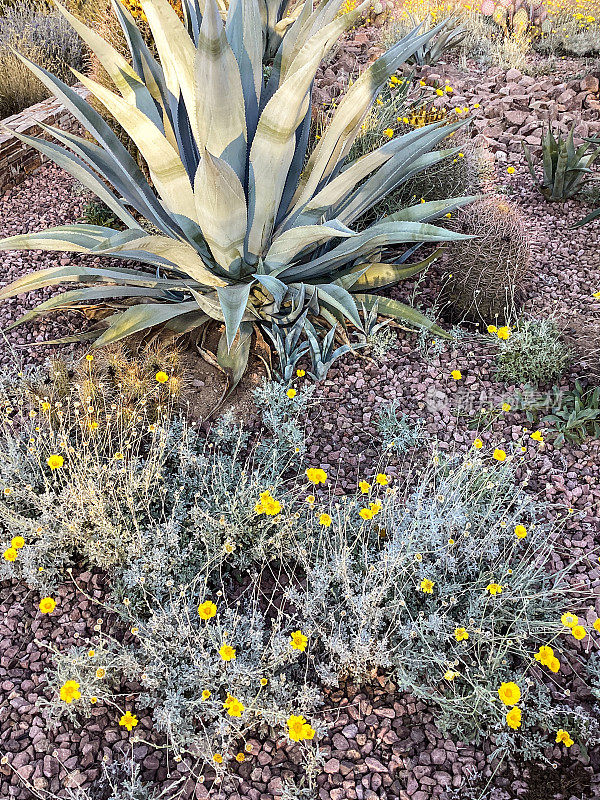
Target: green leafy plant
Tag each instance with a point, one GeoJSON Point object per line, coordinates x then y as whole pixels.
{"type": "Point", "coordinates": [246, 230]}
{"type": "Point", "coordinates": [578, 416]}
{"type": "Point", "coordinates": [565, 168]}
{"type": "Point", "coordinates": [97, 213]}
{"type": "Point", "coordinates": [571, 416]}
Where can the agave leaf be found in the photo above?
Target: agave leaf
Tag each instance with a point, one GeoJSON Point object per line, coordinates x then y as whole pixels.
{"type": "Point", "coordinates": [233, 300]}
{"type": "Point", "coordinates": [99, 128]}
{"type": "Point", "coordinates": [403, 313]}
{"type": "Point", "coordinates": [81, 172]}
{"type": "Point", "coordinates": [103, 163]}
{"type": "Point", "coordinates": [382, 234]}
{"type": "Point", "coordinates": [180, 254]}
{"type": "Point", "coordinates": [340, 299]}
{"type": "Point", "coordinates": [141, 317]}
{"type": "Point", "coordinates": [221, 211]}
{"type": "Point", "coordinates": [77, 337]}
{"type": "Point", "coordinates": [433, 209]}
{"type": "Point", "coordinates": [192, 15]}
{"type": "Point", "coordinates": [63, 238]}
{"type": "Point", "coordinates": [55, 275]}
{"type": "Point", "coordinates": [234, 358]}
{"type": "Point", "coordinates": [376, 276]}
{"type": "Point", "coordinates": [78, 297]}
{"type": "Point", "coordinates": [221, 125]}
{"type": "Point", "coordinates": [116, 66]}
{"type": "Point", "coordinates": [144, 63]}
{"type": "Point", "coordinates": [335, 143]}
{"type": "Point", "coordinates": [186, 322]}
{"type": "Point", "coordinates": [244, 34]}
{"type": "Point", "coordinates": [177, 54]}
{"type": "Point", "coordinates": [271, 154]}
{"type": "Point", "coordinates": [293, 241]}
{"type": "Point", "coordinates": [166, 168]}
{"type": "Point", "coordinates": [274, 286]}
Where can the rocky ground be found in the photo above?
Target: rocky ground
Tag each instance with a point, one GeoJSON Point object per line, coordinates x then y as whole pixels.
{"type": "Point", "coordinates": [381, 744]}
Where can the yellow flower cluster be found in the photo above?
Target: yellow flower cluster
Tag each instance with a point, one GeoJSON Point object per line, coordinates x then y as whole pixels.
{"type": "Point", "coordinates": [298, 729]}
{"type": "Point", "coordinates": [268, 505]}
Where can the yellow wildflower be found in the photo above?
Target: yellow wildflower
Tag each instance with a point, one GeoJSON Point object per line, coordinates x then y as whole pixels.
{"type": "Point", "coordinates": [509, 693]}
{"type": "Point", "coordinates": [128, 720]}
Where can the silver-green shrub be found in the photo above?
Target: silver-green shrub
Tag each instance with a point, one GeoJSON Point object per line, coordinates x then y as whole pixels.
{"type": "Point", "coordinates": [534, 353]}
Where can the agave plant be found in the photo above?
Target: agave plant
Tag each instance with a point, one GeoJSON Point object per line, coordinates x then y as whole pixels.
{"type": "Point", "coordinates": [566, 168]}
{"type": "Point", "coordinates": [237, 224]}
{"type": "Point", "coordinates": [451, 36]}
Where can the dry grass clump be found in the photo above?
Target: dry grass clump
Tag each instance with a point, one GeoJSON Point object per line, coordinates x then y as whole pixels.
{"type": "Point", "coordinates": [44, 37]}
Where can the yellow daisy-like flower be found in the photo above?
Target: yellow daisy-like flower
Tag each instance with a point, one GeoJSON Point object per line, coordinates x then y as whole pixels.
{"type": "Point", "coordinates": [427, 586]}
{"type": "Point", "coordinates": [267, 505]}
{"type": "Point", "coordinates": [563, 737]}
{"type": "Point", "coordinates": [234, 707]}
{"type": "Point", "coordinates": [365, 513]}
{"type": "Point", "coordinates": [364, 487]}
{"type": "Point", "coordinates": [499, 454]}
{"type": "Point", "coordinates": [492, 329]}
{"type": "Point", "coordinates": [128, 720]}
{"type": "Point", "coordinates": [510, 170]}
{"type": "Point", "coordinates": [298, 641]}
{"type": "Point", "coordinates": [389, 133]}
{"type": "Point", "coordinates": [47, 605]}
{"type": "Point", "coordinates": [161, 377]}
{"type": "Point", "coordinates": [69, 691]}
{"type": "Point", "coordinates": [494, 588]}
{"type": "Point", "coordinates": [291, 393]}
{"type": "Point", "coordinates": [17, 542]}
{"type": "Point", "coordinates": [579, 632]}
{"type": "Point", "coordinates": [263, 681]}
{"type": "Point", "coordinates": [461, 634]}
{"type": "Point", "coordinates": [218, 758]}
{"type": "Point", "coordinates": [382, 479]}
{"type": "Point", "coordinates": [513, 718]}
{"type": "Point", "coordinates": [509, 693]}
{"type": "Point", "coordinates": [118, 456]}
{"type": "Point", "coordinates": [506, 407]}
{"type": "Point", "coordinates": [450, 675]}
{"type": "Point", "coordinates": [207, 609]}
{"type": "Point", "coordinates": [520, 531]}
{"type": "Point", "coordinates": [310, 499]}
{"type": "Point", "coordinates": [569, 620]}
{"type": "Point", "coordinates": [299, 729]}
{"type": "Point", "coordinates": [537, 436]}
{"type": "Point", "coordinates": [596, 625]}
{"type": "Point", "coordinates": [325, 520]}
{"type": "Point", "coordinates": [503, 332]}
{"type": "Point", "coordinates": [478, 444]}
{"type": "Point", "coordinates": [205, 694]}
{"type": "Point", "coordinates": [10, 554]}
{"type": "Point", "coordinates": [316, 475]}
{"type": "Point", "coordinates": [227, 652]}
{"type": "Point", "coordinates": [544, 655]}
{"type": "Point", "coordinates": [55, 461]}
{"type": "Point", "coordinates": [456, 374]}
{"type": "Point", "coordinates": [240, 757]}
{"type": "Point", "coordinates": [100, 672]}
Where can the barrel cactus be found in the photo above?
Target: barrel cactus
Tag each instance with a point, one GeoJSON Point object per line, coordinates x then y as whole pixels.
{"type": "Point", "coordinates": [515, 16]}
{"type": "Point", "coordinates": [488, 271]}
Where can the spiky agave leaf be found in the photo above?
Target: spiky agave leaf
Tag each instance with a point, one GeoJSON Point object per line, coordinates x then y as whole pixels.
{"type": "Point", "coordinates": [245, 234]}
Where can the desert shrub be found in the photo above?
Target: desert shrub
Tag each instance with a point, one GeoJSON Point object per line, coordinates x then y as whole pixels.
{"type": "Point", "coordinates": [43, 36]}
{"type": "Point", "coordinates": [570, 30]}
{"type": "Point", "coordinates": [487, 272]}
{"type": "Point", "coordinates": [397, 432]}
{"type": "Point", "coordinates": [228, 541]}
{"type": "Point", "coordinates": [534, 353]}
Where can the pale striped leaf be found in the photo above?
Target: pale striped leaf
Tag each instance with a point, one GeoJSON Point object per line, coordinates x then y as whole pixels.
{"type": "Point", "coordinates": [221, 112]}
{"type": "Point", "coordinates": [141, 317]}
{"type": "Point", "coordinates": [387, 307]}
{"type": "Point", "coordinates": [221, 211]}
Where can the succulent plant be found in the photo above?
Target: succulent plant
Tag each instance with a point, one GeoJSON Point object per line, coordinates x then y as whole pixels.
{"type": "Point", "coordinates": [487, 271]}
{"type": "Point", "coordinates": [515, 16]}
{"type": "Point", "coordinates": [565, 168]}
{"type": "Point", "coordinates": [451, 36]}
{"type": "Point", "coordinates": [239, 226]}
